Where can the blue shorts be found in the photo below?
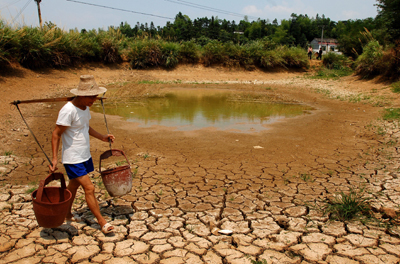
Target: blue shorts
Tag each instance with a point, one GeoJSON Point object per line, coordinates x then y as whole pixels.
{"type": "Point", "coordinates": [79, 169]}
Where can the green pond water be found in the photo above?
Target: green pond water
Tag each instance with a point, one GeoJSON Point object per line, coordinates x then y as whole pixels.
{"type": "Point", "coordinates": [194, 109]}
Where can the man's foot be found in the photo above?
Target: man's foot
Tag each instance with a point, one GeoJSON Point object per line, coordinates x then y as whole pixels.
{"type": "Point", "coordinates": [107, 228]}
{"type": "Point", "coordinates": [73, 218]}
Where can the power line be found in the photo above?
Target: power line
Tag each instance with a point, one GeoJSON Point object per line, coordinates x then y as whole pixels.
{"type": "Point", "coordinates": [119, 9]}
{"type": "Point", "coordinates": [7, 5]}
{"type": "Point", "coordinates": [186, 3]}
{"type": "Point", "coordinates": [20, 12]}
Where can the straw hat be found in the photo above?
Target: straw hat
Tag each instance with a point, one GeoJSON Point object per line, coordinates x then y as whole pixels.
{"type": "Point", "coordinates": [88, 86]}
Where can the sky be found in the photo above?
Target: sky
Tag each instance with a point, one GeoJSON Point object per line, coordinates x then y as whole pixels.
{"type": "Point", "coordinates": [94, 14]}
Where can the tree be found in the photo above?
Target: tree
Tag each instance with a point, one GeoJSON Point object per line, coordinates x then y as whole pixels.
{"type": "Point", "coordinates": [389, 13]}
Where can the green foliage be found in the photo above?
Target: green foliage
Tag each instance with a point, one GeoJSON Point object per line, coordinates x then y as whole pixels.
{"type": "Point", "coordinates": [213, 53]}
{"type": "Point", "coordinates": [170, 54]}
{"type": "Point", "coordinates": [30, 190]}
{"type": "Point", "coordinates": [348, 206]}
{"type": "Point", "coordinates": [328, 74]}
{"type": "Point", "coordinates": [389, 13]}
{"type": "Point", "coordinates": [376, 60]}
{"type": "Point", "coordinates": [189, 52]}
{"type": "Point", "coordinates": [8, 43]}
{"type": "Point", "coordinates": [109, 45]}
{"type": "Point", "coordinates": [211, 41]}
{"type": "Point", "coordinates": [368, 64]}
{"type": "Point", "coordinates": [396, 87]}
{"type": "Point", "coordinates": [294, 57]}
{"type": "Point", "coordinates": [145, 54]}
{"type": "Point", "coordinates": [332, 60]}
{"type": "Point", "coordinates": [392, 114]}
{"type": "Point", "coordinates": [271, 59]}
{"type": "Point", "coordinates": [259, 261]}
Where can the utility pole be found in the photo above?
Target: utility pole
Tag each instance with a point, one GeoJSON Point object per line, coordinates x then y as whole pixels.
{"type": "Point", "coordinates": [40, 15]}
{"type": "Point", "coordinates": [322, 35]}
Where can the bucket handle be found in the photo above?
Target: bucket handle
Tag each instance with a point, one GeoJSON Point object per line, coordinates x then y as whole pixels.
{"type": "Point", "coordinates": [52, 177]}
{"type": "Point", "coordinates": [112, 152]}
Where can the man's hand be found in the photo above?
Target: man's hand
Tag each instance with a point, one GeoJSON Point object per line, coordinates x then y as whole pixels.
{"type": "Point", "coordinates": [108, 138]}
{"type": "Point", "coordinates": [53, 166]}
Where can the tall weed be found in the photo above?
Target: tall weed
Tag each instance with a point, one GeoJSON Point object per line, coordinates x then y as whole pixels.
{"type": "Point", "coordinates": [213, 53]}
{"type": "Point", "coordinates": [370, 61]}
{"type": "Point", "coordinates": [170, 54]}
{"type": "Point", "coordinates": [271, 59]}
{"type": "Point", "coordinates": [8, 43]}
{"type": "Point", "coordinates": [145, 53]}
{"type": "Point", "coordinates": [294, 57]}
{"type": "Point", "coordinates": [189, 52]}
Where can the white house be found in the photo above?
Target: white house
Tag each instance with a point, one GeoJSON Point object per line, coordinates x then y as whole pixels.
{"type": "Point", "coordinates": [327, 44]}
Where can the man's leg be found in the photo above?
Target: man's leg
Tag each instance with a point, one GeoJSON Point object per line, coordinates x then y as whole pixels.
{"type": "Point", "coordinates": [91, 201]}
{"type": "Point", "coordinates": [73, 186]}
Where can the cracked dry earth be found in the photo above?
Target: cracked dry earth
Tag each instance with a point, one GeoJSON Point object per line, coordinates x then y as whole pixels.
{"type": "Point", "coordinates": [188, 186]}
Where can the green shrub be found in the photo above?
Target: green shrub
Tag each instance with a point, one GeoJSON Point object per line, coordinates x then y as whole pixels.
{"type": "Point", "coordinates": [32, 51]}
{"type": "Point", "coordinates": [90, 48]}
{"type": "Point", "coordinates": [336, 61]}
{"type": "Point", "coordinates": [348, 206]}
{"type": "Point", "coordinates": [170, 54]}
{"type": "Point", "coordinates": [109, 42]}
{"type": "Point", "coordinates": [145, 53]}
{"type": "Point", "coordinates": [271, 59]}
{"type": "Point", "coordinates": [293, 57]}
{"type": "Point", "coordinates": [189, 52]}
{"type": "Point", "coordinates": [8, 43]}
{"type": "Point", "coordinates": [370, 61]}
{"type": "Point", "coordinates": [213, 53]}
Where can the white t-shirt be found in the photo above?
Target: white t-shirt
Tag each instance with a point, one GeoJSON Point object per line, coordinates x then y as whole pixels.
{"type": "Point", "coordinates": [75, 139]}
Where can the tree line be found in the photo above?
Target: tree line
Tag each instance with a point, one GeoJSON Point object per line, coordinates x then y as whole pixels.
{"type": "Point", "coordinates": [298, 30]}
{"type": "Point", "coordinates": [370, 46]}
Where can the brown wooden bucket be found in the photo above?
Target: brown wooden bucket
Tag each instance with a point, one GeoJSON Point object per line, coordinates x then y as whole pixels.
{"type": "Point", "coordinates": [118, 181]}
{"type": "Point", "coordinates": [51, 204]}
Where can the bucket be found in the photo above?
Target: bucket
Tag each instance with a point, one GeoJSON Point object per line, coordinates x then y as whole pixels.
{"type": "Point", "coordinates": [118, 181]}
{"type": "Point", "coordinates": [51, 204]}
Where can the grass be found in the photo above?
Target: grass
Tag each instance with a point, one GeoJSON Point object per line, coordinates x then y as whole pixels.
{"type": "Point", "coordinates": [30, 190]}
{"type": "Point", "coordinates": [395, 87]}
{"type": "Point", "coordinates": [306, 177]}
{"type": "Point", "coordinates": [331, 74]}
{"type": "Point", "coordinates": [348, 206]}
{"type": "Point", "coordinates": [119, 163]}
{"type": "Point", "coordinates": [100, 184]}
{"type": "Point", "coordinates": [8, 153]}
{"type": "Point", "coordinates": [135, 172]}
{"type": "Point", "coordinates": [392, 114]}
{"type": "Point", "coordinates": [259, 261]}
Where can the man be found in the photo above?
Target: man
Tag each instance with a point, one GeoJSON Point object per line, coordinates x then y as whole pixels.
{"type": "Point", "coordinates": [319, 54]}
{"type": "Point", "coordinates": [309, 51]}
{"type": "Point", "coordinates": [73, 128]}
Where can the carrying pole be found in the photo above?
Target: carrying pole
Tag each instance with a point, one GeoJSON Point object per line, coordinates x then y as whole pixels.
{"type": "Point", "coordinates": [40, 146]}
{"type": "Point", "coordinates": [47, 100]}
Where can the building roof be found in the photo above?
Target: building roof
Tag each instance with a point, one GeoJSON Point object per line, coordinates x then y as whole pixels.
{"type": "Point", "coordinates": [327, 40]}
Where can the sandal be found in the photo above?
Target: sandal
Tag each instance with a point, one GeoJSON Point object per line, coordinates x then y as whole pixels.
{"type": "Point", "coordinates": [107, 228]}
{"type": "Point", "coordinates": [74, 218]}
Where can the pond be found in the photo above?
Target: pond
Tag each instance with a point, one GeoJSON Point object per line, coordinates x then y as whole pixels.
{"type": "Point", "coordinates": [194, 109]}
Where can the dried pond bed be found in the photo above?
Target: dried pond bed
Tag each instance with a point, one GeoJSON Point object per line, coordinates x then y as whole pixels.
{"type": "Point", "coordinates": [187, 186]}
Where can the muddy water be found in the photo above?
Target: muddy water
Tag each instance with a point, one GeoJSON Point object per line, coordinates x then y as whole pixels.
{"type": "Point", "coordinates": [193, 109]}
